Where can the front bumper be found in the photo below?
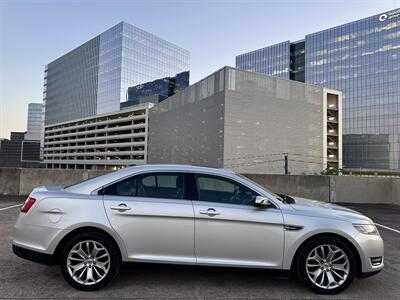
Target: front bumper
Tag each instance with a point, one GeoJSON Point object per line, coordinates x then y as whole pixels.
{"type": "Point", "coordinates": [370, 247]}
{"type": "Point", "coordinates": [32, 255]}
{"type": "Point", "coordinates": [369, 274]}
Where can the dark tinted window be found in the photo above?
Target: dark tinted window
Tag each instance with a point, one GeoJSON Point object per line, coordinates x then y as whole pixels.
{"type": "Point", "coordinates": [161, 185]}
{"type": "Point", "coordinates": [222, 190]}
{"type": "Point", "coordinates": [126, 187]}
{"type": "Point", "coordinates": [190, 187]}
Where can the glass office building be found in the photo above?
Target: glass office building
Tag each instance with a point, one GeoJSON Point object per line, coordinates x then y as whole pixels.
{"type": "Point", "coordinates": [94, 78]}
{"type": "Point", "coordinates": [273, 60]}
{"type": "Point", "coordinates": [34, 122]}
{"type": "Point", "coordinates": [362, 59]}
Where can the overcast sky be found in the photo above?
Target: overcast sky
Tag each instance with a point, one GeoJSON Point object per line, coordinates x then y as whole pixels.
{"type": "Point", "coordinates": [34, 33]}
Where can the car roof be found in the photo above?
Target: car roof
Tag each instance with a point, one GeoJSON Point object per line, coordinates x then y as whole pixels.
{"type": "Point", "coordinates": [90, 185]}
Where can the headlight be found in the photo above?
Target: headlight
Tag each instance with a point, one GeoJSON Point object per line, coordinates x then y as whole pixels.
{"type": "Point", "coordinates": [366, 228]}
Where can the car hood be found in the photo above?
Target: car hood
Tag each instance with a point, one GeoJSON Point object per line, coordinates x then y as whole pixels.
{"type": "Point", "coordinates": [328, 210]}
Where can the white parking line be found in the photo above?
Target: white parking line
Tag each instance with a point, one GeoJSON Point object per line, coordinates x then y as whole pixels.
{"type": "Point", "coordinates": [388, 228]}
{"type": "Point", "coordinates": [12, 206]}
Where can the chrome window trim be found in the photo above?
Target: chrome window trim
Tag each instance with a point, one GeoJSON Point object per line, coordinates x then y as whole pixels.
{"type": "Point", "coordinates": [231, 176]}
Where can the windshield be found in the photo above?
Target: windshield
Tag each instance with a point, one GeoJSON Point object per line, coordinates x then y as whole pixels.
{"type": "Point", "coordinates": [263, 188]}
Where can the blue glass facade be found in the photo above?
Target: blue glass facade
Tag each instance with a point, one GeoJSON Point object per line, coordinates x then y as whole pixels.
{"type": "Point", "coordinates": [160, 89]}
{"type": "Point", "coordinates": [110, 70]}
{"type": "Point", "coordinates": [70, 84]}
{"type": "Point", "coordinates": [273, 60]}
{"type": "Point", "coordinates": [362, 59]}
{"type": "Point", "coordinates": [94, 78]}
{"type": "Point", "coordinates": [130, 57]}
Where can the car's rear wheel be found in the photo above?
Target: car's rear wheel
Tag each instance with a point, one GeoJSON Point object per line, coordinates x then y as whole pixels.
{"type": "Point", "coordinates": [89, 261]}
{"type": "Point", "coordinates": [326, 265]}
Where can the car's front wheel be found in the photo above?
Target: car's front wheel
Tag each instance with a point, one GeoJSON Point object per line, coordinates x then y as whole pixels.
{"type": "Point", "coordinates": [326, 265]}
{"type": "Point", "coordinates": [89, 261]}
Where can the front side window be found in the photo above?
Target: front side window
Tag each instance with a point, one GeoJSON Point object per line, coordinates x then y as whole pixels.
{"type": "Point", "coordinates": [161, 185]}
{"type": "Point", "coordinates": [222, 190]}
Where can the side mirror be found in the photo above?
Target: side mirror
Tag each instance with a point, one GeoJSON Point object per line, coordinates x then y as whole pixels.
{"type": "Point", "coordinates": [261, 202]}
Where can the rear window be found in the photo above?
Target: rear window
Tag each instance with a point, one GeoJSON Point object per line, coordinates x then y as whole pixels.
{"type": "Point", "coordinates": [83, 181]}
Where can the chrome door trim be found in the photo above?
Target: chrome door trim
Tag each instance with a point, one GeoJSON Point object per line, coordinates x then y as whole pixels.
{"type": "Point", "coordinates": [120, 207]}
{"type": "Point", "coordinates": [211, 212]}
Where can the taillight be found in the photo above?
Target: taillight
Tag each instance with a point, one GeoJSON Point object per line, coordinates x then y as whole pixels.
{"type": "Point", "coordinates": [28, 204]}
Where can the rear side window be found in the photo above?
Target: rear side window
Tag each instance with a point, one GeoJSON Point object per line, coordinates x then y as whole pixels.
{"type": "Point", "coordinates": [161, 185]}
{"type": "Point", "coordinates": [126, 187]}
{"type": "Point", "coordinates": [154, 185]}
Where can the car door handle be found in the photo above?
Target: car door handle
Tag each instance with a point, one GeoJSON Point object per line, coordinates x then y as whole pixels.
{"type": "Point", "coordinates": [210, 212]}
{"type": "Point", "coordinates": [120, 207]}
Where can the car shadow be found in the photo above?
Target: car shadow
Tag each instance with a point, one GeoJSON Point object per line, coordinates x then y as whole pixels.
{"type": "Point", "coordinates": [169, 273]}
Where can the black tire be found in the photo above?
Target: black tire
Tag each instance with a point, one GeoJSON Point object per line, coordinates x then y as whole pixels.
{"type": "Point", "coordinates": [306, 250]}
{"type": "Point", "coordinates": [113, 266]}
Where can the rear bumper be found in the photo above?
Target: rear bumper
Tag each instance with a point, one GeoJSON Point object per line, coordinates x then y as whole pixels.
{"type": "Point", "coordinates": [32, 255]}
{"type": "Point", "coordinates": [41, 239]}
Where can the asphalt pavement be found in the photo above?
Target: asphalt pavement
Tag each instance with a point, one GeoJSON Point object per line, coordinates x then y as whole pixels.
{"type": "Point", "coordinates": [22, 279]}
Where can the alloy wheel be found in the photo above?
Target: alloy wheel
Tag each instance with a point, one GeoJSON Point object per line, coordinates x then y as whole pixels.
{"type": "Point", "coordinates": [88, 262]}
{"type": "Point", "coordinates": [327, 266]}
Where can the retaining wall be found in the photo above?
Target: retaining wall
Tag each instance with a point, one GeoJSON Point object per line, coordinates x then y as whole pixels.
{"type": "Point", "coordinates": [354, 189]}
{"type": "Point", "coordinates": [357, 189]}
{"type": "Point", "coordinates": [9, 181]}
{"type": "Point", "coordinates": [307, 186]}
{"type": "Point", "coordinates": [20, 181]}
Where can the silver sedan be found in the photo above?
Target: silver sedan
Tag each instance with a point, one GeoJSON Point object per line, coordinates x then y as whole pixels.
{"type": "Point", "coordinates": [193, 215]}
